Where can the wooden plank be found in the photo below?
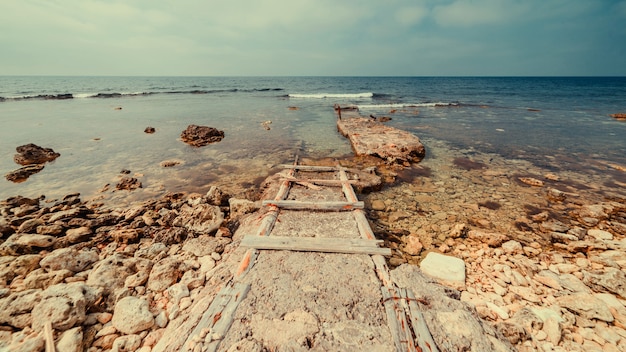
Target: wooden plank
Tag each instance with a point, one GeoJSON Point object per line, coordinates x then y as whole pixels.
{"type": "Point", "coordinates": [309, 168]}
{"type": "Point", "coordinates": [359, 215]}
{"type": "Point", "coordinates": [220, 328]}
{"type": "Point", "coordinates": [422, 333]}
{"type": "Point", "coordinates": [222, 307]}
{"type": "Point", "coordinates": [316, 244]}
{"type": "Point", "coordinates": [48, 334]}
{"type": "Point", "coordinates": [322, 182]}
{"type": "Point", "coordinates": [396, 319]}
{"type": "Point", "coordinates": [300, 205]}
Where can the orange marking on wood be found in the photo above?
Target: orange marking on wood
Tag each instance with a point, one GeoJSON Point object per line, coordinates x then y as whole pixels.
{"type": "Point", "coordinates": [244, 263]}
{"type": "Point", "coordinates": [217, 317]}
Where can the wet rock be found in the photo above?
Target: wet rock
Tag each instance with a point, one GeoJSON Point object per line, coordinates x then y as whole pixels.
{"type": "Point", "coordinates": [613, 280]}
{"type": "Point", "coordinates": [202, 218]}
{"type": "Point", "coordinates": [69, 259]}
{"type": "Point", "coordinates": [199, 136]}
{"type": "Point", "coordinates": [170, 163]}
{"type": "Point", "coordinates": [23, 173]}
{"type": "Point", "coordinates": [216, 196]}
{"type": "Point", "coordinates": [128, 183]}
{"type": "Point", "coordinates": [64, 305]}
{"type": "Point", "coordinates": [33, 154]}
{"type": "Point", "coordinates": [132, 315]}
{"type": "Point", "coordinates": [443, 267]}
{"type": "Point", "coordinates": [16, 308]}
{"type": "Point", "coordinates": [149, 130]}
{"type": "Point", "coordinates": [619, 116]}
{"type": "Point", "coordinates": [587, 306]}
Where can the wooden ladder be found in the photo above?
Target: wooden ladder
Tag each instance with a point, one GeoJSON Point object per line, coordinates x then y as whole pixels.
{"type": "Point", "coordinates": [405, 321]}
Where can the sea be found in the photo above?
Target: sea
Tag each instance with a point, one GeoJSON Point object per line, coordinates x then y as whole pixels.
{"type": "Point", "coordinates": [97, 125]}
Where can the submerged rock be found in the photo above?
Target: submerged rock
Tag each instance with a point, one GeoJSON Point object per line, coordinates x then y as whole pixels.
{"type": "Point", "coordinates": [199, 136]}
{"type": "Point", "coordinates": [29, 154]}
{"type": "Point", "coordinates": [23, 173]}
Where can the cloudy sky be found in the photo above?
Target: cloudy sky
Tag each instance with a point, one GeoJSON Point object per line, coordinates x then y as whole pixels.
{"type": "Point", "coordinates": [313, 37]}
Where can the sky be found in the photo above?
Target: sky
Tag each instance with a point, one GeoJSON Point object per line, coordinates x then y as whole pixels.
{"type": "Point", "coordinates": [313, 37]}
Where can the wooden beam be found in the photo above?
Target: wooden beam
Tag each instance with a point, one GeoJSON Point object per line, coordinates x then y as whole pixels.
{"type": "Point", "coordinates": [309, 168]}
{"type": "Point", "coordinates": [422, 333]}
{"type": "Point", "coordinates": [316, 244]}
{"type": "Point", "coordinates": [298, 205]}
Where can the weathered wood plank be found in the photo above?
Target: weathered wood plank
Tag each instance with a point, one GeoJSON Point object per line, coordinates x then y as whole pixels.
{"type": "Point", "coordinates": [422, 333]}
{"type": "Point", "coordinates": [300, 205]}
{"type": "Point", "coordinates": [359, 215]}
{"type": "Point", "coordinates": [222, 308]}
{"type": "Point", "coordinates": [316, 244]}
{"type": "Point", "coordinates": [322, 182]}
{"type": "Point", "coordinates": [396, 318]}
{"type": "Point", "coordinates": [309, 168]}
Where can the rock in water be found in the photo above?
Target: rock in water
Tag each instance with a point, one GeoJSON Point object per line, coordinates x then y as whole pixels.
{"type": "Point", "coordinates": [23, 173]}
{"type": "Point", "coordinates": [129, 183]}
{"type": "Point", "coordinates": [199, 136]}
{"type": "Point", "coordinates": [33, 154]}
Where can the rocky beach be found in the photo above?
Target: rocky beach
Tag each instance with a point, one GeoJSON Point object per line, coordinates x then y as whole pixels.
{"type": "Point", "coordinates": [542, 254]}
{"type": "Point", "coordinates": [526, 240]}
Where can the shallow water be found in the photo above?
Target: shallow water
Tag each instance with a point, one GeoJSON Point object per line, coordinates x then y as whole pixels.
{"type": "Point", "coordinates": [556, 123]}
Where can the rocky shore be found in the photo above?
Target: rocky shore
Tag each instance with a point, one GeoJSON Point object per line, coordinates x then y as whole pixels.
{"type": "Point", "coordinates": [542, 262]}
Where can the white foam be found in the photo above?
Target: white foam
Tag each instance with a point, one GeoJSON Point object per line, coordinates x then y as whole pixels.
{"type": "Point", "coordinates": [84, 95]}
{"type": "Point", "coordinates": [331, 95]}
{"type": "Point", "coordinates": [404, 105]}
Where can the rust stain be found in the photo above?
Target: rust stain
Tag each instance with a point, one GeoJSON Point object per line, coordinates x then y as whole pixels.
{"type": "Point", "coordinates": [217, 317]}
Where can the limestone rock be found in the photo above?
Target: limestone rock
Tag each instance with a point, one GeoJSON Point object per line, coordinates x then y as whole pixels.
{"type": "Point", "coordinates": [71, 340]}
{"type": "Point", "coordinates": [512, 247]}
{"type": "Point", "coordinates": [33, 154]}
{"type": "Point", "coordinates": [202, 218]}
{"type": "Point", "coordinates": [205, 245]}
{"type": "Point", "coordinates": [199, 136]}
{"type": "Point", "coordinates": [164, 273]}
{"type": "Point", "coordinates": [64, 305]}
{"type": "Point", "coordinates": [16, 308]}
{"type": "Point", "coordinates": [41, 279]}
{"type": "Point", "coordinates": [132, 315]}
{"type": "Point", "coordinates": [587, 306]}
{"type": "Point", "coordinates": [111, 272]}
{"type": "Point", "coordinates": [443, 267]}
{"type": "Point", "coordinates": [69, 259]}
{"type": "Point", "coordinates": [239, 207]}
{"type": "Point", "coordinates": [412, 245]}
{"type": "Point", "coordinates": [128, 183]}
{"type": "Point", "coordinates": [126, 343]}
{"type": "Point", "coordinates": [614, 281]}
{"type": "Point", "coordinates": [79, 234]}
{"type": "Point", "coordinates": [492, 239]}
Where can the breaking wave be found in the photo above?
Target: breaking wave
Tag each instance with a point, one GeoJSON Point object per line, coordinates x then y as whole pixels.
{"type": "Point", "coordinates": [406, 105]}
{"type": "Point", "coordinates": [332, 95]}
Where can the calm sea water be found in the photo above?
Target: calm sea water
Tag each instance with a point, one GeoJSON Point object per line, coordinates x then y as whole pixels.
{"type": "Point", "coordinates": [555, 122]}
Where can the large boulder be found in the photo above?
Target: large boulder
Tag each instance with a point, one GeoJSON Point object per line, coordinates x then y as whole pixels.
{"type": "Point", "coordinates": [33, 154]}
{"type": "Point", "coordinates": [199, 136]}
